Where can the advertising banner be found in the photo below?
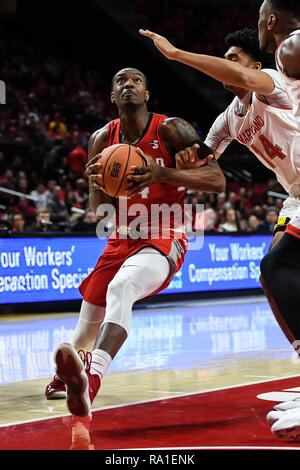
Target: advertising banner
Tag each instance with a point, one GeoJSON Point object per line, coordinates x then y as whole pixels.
{"type": "Point", "coordinates": [51, 269]}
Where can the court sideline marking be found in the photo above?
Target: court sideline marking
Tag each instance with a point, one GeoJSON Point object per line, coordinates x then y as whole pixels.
{"type": "Point", "coordinates": [153, 400]}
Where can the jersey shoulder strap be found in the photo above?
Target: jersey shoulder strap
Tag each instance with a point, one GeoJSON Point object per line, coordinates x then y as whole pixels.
{"type": "Point", "coordinates": [113, 132]}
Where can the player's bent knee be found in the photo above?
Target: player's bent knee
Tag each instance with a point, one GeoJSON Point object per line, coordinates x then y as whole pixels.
{"type": "Point", "coordinates": [121, 287]}
{"type": "Point", "coordinates": [120, 297]}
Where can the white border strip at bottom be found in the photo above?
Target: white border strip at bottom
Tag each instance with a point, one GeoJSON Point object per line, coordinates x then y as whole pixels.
{"type": "Point", "coordinates": [216, 448]}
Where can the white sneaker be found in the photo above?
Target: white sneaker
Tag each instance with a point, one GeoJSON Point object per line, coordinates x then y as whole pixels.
{"type": "Point", "coordinates": [273, 416]}
{"type": "Point", "coordinates": [288, 405]}
{"type": "Point", "coordinates": [287, 426]}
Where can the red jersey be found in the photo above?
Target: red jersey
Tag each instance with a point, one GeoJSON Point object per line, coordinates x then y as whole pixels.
{"type": "Point", "coordinates": [157, 194]}
{"type": "Point", "coordinates": [173, 244]}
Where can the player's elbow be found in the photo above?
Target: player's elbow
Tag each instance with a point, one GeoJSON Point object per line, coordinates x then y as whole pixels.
{"type": "Point", "coordinates": [218, 180]}
{"type": "Point", "coordinates": [215, 184]}
{"type": "Point", "coordinates": [256, 81]}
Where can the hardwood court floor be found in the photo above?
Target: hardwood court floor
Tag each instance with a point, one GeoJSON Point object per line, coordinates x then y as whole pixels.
{"type": "Point", "coordinates": [172, 351]}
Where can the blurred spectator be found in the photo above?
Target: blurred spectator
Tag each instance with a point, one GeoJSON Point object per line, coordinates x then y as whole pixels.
{"type": "Point", "coordinates": [17, 223]}
{"type": "Point", "coordinates": [40, 194]}
{"type": "Point", "coordinates": [48, 193]}
{"type": "Point", "coordinates": [206, 220]}
{"type": "Point", "coordinates": [242, 222]}
{"type": "Point", "coordinates": [70, 200]}
{"type": "Point", "coordinates": [22, 185]}
{"type": "Point", "coordinates": [253, 223]}
{"type": "Point", "coordinates": [258, 211]}
{"type": "Point", "coordinates": [246, 198]}
{"type": "Point", "coordinates": [278, 204]}
{"type": "Point", "coordinates": [57, 127]}
{"type": "Point", "coordinates": [231, 222]}
{"type": "Point", "coordinates": [7, 179]}
{"type": "Point", "coordinates": [55, 158]}
{"type": "Point", "coordinates": [23, 207]}
{"type": "Point", "coordinates": [43, 223]}
{"type": "Point", "coordinates": [270, 201]}
{"type": "Point", "coordinates": [231, 202]}
{"type": "Point", "coordinates": [4, 226]}
{"type": "Point", "coordinates": [221, 199]}
{"type": "Point", "coordinates": [81, 195]}
{"type": "Point", "coordinates": [77, 159]}
{"type": "Point", "coordinates": [87, 223]}
{"type": "Point", "coordinates": [56, 205]}
{"type": "Point", "coordinates": [267, 225]}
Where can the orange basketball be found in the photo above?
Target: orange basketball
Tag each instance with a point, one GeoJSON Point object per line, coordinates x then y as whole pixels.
{"type": "Point", "coordinates": [117, 161]}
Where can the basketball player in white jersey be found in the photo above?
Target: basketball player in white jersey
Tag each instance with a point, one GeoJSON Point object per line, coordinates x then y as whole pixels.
{"type": "Point", "coordinates": [279, 32]}
{"type": "Point", "coordinates": [258, 120]}
{"type": "Point", "coordinates": [260, 117]}
{"type": "Point", "coordinates": [279, 25]}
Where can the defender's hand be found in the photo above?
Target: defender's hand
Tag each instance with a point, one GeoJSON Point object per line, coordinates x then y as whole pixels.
{"type": "Point", "coordinates": [94, 171]}
{"type": "Point", "coordinates": [142, 176]}
{"type": "Point", "coordinates": [162, 44]}
{"type": "Point", "coordinates": [188, 158]}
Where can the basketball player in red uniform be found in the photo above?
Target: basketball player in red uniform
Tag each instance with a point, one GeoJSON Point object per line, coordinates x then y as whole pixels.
{"type": "Point", "coordinates": [131, 268]}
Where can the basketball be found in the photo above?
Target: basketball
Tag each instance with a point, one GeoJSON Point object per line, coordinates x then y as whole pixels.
{"type": "Point", "coordinates": [117, 161]}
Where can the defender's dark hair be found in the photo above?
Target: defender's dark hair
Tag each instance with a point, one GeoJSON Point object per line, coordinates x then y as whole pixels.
{"type": "Point", "coordinates": [247, 39]}
{"type": "Point", "coordinates": [293, 6]}
{"type": "Point", "coordinates": [130, 68]}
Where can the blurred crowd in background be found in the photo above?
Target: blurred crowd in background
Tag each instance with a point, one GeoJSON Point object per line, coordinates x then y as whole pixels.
{"type": "Point", "coordinates": [53, 107]}
{"type": "Point", "coordinates": [182, 20]}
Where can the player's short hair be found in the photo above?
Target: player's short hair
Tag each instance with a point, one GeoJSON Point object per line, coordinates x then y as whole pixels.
{"type": "Point", "coordinates": [130, 68]}
{"type": "Point", "coordinates": [293, 6]}
{"type": "Point", "coordinates": [247, 39]}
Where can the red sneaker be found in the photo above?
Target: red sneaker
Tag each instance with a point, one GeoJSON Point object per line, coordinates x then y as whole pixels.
{"type": "Point", "coordinates": [55, 389]}
{"type": "Point", "coordinates": [82, 386]}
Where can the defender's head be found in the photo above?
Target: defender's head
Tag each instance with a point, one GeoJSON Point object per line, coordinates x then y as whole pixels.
{"type": "Point", "coordinates": [129, 88]}
{"type": "Point", "coordinates": [243, 47]}
{"type": "Point", "coordinates": [276, 17]}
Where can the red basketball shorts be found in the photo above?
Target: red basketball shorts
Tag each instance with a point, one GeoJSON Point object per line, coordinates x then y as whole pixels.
{"type": "Point", "coordinates": [94, 287]}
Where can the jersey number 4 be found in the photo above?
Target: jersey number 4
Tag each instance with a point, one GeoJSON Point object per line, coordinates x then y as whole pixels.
{"type": "Point", "coordinates": [145, 193]}
{"type": "Point", "coordinates": [271, 150]}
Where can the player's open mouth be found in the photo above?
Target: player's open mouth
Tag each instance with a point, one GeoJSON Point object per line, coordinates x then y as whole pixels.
{"type": "Point", "coordinates": [128, 93]}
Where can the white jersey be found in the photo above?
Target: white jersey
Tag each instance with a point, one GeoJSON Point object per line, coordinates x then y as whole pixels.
{"type": "Point", "coordinates": [292, 85]}
{"type": "Point", "coordinates": [266, 125]}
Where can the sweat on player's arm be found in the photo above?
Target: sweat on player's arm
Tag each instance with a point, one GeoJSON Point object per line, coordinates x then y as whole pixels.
{"type": "Point", "coordinates": [223, 70]}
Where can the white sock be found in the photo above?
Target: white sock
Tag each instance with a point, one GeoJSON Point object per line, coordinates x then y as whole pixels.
{"type": "Point", "coordinates": [100, 362]}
